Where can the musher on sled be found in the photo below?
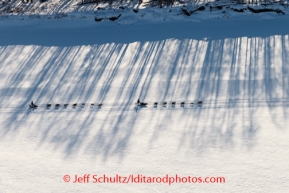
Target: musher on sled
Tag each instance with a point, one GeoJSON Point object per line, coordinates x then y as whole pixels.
{"type": "Point", "coordinates": [141, 103]}
{"type": "Point", "coordinates": [32, 105]}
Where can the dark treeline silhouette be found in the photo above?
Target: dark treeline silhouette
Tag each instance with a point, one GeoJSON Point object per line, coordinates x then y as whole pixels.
{"type": "Point", "coordinates": [160, 3]}
{"type": "Point", "coordinates": [90, 1]}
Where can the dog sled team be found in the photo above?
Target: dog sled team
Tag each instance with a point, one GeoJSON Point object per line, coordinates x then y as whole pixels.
{"type": "Point", "coordinates": [143, 104]}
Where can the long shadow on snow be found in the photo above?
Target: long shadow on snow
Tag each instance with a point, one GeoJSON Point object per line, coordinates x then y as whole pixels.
{"type": "Point", "coordinates": [230, 71]}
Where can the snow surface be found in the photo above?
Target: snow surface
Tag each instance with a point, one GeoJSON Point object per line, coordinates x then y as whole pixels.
{"type": "Point", "coordinates": [238, 67]}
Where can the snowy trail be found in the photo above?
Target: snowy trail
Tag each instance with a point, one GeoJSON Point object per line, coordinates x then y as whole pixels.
{"type": "Point", "coordinates": [119, 107]}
